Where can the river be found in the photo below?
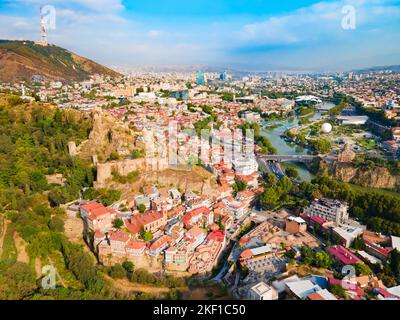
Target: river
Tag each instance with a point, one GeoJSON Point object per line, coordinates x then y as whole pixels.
{"type": "Point", "coordinates": [286, 148]}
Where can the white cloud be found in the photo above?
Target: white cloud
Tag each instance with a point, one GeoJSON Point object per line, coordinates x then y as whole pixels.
{"type": "Point", "coordinates": [314, 23]}
{"type": "Point", "coordinates": [93, 5]}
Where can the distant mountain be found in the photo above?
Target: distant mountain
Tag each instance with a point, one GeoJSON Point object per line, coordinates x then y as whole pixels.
{"type": "Point", "coordinates": [395, 68]}
{"type": "Point", "coordinates": [20, 60]}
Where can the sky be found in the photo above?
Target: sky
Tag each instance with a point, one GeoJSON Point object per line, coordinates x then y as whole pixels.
{"type": "Point", "coordinates": [248, 35]}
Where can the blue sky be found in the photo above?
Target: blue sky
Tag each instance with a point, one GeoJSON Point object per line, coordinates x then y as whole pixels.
{"type": "Point", "coordinates": [240, 34]}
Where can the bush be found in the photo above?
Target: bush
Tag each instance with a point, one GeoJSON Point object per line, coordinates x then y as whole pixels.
{"type": "Point", "coordinates": [118, 223]}
{"type": "Point", "coordinates": [128, 266]}
{"type": "Point", "coordinates": [56, 224]}
{"type": "Point", "coordinates": [114, 156]}
{"type": "Point", "coordinates": [137, 153]}
{"type": "Point", "coordinates": [117, 271]}
{"type": "Point", "coordinates": [141, 207]}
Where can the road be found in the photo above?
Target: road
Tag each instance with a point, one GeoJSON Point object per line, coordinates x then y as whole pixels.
{"type": "Point", "coordinates": [271, 167]}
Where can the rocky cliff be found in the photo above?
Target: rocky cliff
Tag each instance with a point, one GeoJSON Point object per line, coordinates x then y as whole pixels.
{"type": "Point", "coordinates": [378, 177]}
{"type": "Point", "coordinates": [108, 135]}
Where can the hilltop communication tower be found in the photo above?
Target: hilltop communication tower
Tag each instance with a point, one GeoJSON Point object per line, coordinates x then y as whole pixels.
{"type": "Point", "coordinates": [43, 33]}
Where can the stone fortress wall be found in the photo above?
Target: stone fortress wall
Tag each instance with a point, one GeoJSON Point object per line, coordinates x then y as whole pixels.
{"type": "Point", "coordinates": [124, 167]}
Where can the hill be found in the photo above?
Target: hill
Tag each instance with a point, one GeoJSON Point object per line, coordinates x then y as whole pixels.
{"type": "Point", "coordinates": [394, 68]}
{"type": "Point", "coordinates": [20, 60]}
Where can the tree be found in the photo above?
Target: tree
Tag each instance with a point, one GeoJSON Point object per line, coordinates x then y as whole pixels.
{"type": "Point", "coordinates": [141, 207]}
{"type": "Point", "coordinates": [358, 243]}
{"type": "Point", "coordinates": [128, 266]}
{"type": "Point", "coordinates": [394, 262]}
{"type": "Point", "coordinates": [118, 223]}
{"type": "Point", "coordinates": [358, 212]}
{"type": "Point", "coordinates": [286, 184]}
{"type": "Point", "coordinates": [362, 269]}
{"type": "Point", "coordinates": [137, 153]}
{"type": "Point", "coordinates": [307, 255]}
{"type": "Point", "coordinates": [290, 254]}
{"type": "Point", "coordinates": [338, 291]}
{"type": "Point", "coordinates": [271, 179]}
{"type": "Point", "coordinates": [292, 172]}
{"type": "Point", "coordinates": [56, 224]}
{"type": "Point", "coordinates": [322, 260]}
{"type": "Point", "coordinates": [117, 271]}
{"type": "Point", "coordinates": [322, 145]}
{"type": "Point", "coordinates": [239, 185]}
{"type": "Point", "coordinates": [114, 156]}
{"type": "Point", "coordinates": [269, 198]}
{"type": "Point", "coordinates": [17, 282]}
{"type": "Point", "coordinates": [147, 235]}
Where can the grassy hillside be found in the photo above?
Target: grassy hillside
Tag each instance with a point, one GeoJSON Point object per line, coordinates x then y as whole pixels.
{"type": "Point", "coordinates": [20, 60]}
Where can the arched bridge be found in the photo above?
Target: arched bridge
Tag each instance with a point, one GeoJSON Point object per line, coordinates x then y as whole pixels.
{"type": "Point", "coordinates": [288, 158]}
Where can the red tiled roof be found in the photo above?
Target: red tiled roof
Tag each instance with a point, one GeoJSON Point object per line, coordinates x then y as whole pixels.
{"type": "Point", "coordinates": [194, 232]}
{"type": "Point", "coordinates": [217, 235]}
{"type": "Point", "coordinates": [136, 245]}
{"type": "Point", "coordinates": [98, 212]}
{"type": "Point", "coordinates": [188, 216]}
{"type": "Point", "coordinates": [384, 251]}
{"type": "Point", "coordinates": [91, 205]}
{"type": "Point", "coordinates": [318, 220]}
{"type": "Point", "coordinates": [175, 211]}
{"type": "Point", "coordinates": [99, 235]}
{"type": "Point", "coordinates": [246, 254]}
{"type": "Point", "coordinates": [343, 255]}
{"type": "Point", "coordinates": [315, 296]}
{"type": "Point", "coordinates": [119, 236]}
{"type": "Point", "coordinates": [385, 293]}
{"type": "Point", "coordinates": [133, 226]}
{"type": "Point", "coordinates": [160, 242]}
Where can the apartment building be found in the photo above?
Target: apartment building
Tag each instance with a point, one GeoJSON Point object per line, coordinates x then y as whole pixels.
{"type": "Point", "coordinates": [329, 209]}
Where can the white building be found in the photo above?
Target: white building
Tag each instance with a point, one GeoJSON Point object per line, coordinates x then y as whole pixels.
{"type": "Point", "coordinates": [261, 291]}
{"type": "Point", "coordinates": [347, 234]}
{"type": "Point", "coordinates": [245, 166]}
{"type": "Point", "coordinates": [329, 209]}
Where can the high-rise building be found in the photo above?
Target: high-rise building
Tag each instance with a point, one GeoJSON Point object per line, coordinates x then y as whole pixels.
{"type": "Point", "coordinates": [200, 78]}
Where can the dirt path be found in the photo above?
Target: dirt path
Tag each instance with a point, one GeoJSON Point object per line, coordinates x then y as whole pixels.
{"type": "Point", "coordinates": [21, 248]}
{"type": "Point", "coordinates": [126, 286]}
{"type": "Point", "coordinates": [73, 227]}
{"type": "Point", "coordinates": [38, 267]}
{"type": "Point", "coordinates": [5, 224]}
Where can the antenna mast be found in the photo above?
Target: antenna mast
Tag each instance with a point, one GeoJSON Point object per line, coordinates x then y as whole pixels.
{"type": "Point", "coordinates": [43, 34]}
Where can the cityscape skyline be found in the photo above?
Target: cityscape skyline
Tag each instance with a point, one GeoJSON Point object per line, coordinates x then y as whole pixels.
{"type": "Point", "coordinates": [247, 36]}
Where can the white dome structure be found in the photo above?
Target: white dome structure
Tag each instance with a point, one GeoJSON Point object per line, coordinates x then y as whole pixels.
{"type": "Point", "coordinates": [326, 127]}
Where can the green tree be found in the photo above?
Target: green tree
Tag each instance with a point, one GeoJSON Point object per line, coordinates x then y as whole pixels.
{"type": "Point", "coordinates": [114, 156]}
{"type": "Point", "coordinates": [394, 262]}
{"type": "Point", "coordinates": [128, 266]}
{"type": "Point", "coordinates": [56, 224]}
{"type": "Point", "coordinates": [142, 208]}
{"type": "Point", "coordinates": [137, 153]}
{"type": "Point", "coordinates": [292, 172]}
{"type": "Point", "coordinates": [358, 243]}
{"type": "Point", "coordinates": [117, 271]}
{"type": "Point", "coordinates": [271, 179]}
{"type": "Point", "coordinates": [269, 198]}
{"type": "Point", "coordinates": [322, 260]}
{"type": "Point", "coordinates": [362, 269]}
{"type": "Point", "coordinates": [118, 223]}
{"type": "Point", "coordinates": [147, 235]}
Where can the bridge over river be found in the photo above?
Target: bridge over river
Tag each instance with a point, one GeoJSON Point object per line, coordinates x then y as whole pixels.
{"type": "Point", "coordinates": [289, 158]}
